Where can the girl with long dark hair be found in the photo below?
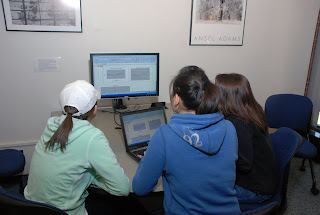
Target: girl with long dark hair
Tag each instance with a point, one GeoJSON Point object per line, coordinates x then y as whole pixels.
{"type": "Point", "coordinates": [256, 166]}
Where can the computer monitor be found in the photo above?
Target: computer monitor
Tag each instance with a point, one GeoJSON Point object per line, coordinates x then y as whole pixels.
{"type": "Point", "coordinates": [118, 75]}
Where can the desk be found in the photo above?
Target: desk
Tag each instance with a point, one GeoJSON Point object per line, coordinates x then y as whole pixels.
{"type": "Point", "coordinates": [314, 132]}
{"type": "Point", "coordinates": [105, 122]}
{"type": "Point", "coordinates": [314, 137]}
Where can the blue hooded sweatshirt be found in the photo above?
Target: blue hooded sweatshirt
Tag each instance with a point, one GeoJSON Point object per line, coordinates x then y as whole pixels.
{"type": "Point", "coordinates": [196, 156]}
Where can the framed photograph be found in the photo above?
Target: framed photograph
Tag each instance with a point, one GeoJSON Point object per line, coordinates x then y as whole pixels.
{"type": "Point", "coordinates": [217, 22]}
{"type": "Point", "coordinates": [42, 15]}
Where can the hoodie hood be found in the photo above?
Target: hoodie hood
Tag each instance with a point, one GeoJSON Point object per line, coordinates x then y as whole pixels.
{"type": "Point", "coordinates": [204, 132]}
{"type": "Point", "coordinates": [79, 127]}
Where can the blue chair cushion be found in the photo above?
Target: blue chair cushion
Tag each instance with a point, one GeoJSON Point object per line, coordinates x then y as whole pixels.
{"type": "Point", "coordinates": [270, 208]}
{"type": "Point", "coordinates": [307, 150]}
{"type": "Point", "coordinates": [11, 162]}
{"type": "Point", "coordinates": [250, 206]}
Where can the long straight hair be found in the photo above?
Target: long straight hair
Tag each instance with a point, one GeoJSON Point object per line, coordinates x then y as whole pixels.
{"type": "Point", "coordinates": [236, 98]}
{"type": "Point", "coordinates": [60, 137]}
{"type": "Point", "coordinates": [197, 92]}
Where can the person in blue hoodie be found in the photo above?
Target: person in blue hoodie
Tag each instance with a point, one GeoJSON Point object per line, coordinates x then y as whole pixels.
{"type": "Point", "coordinates": [195, 153]}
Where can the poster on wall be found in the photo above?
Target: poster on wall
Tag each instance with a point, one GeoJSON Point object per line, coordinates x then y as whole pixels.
{"type": "Point", "coordinates": [217, 22]}
{"type": "Point", "coordinates": [42, 15]}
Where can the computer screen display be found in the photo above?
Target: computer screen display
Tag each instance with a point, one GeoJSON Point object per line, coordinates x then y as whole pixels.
{"type": "Point", "coordinates": [139, 126]}
{"type": "Point", "coordinates": [117, 75]}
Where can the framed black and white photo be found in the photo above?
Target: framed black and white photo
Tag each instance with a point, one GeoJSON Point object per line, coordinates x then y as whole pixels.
{"type": "Point", "coordinates": [42, 15]}
{"type": "Point", "coordinates": [217, 22]}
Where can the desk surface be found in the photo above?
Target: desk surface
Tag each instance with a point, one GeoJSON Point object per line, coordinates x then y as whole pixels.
{"type": "Point", "coordinates": [315, 131]}
{"type": "Point", "coordinates": [105, 122]}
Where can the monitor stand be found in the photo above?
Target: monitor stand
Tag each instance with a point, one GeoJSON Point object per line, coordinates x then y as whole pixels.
{"type": "Point", "coordinates": [118, 104]}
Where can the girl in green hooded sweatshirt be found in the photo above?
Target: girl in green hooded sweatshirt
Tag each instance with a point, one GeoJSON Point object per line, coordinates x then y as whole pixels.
{"type": "Point", "coordinates": [72, 154]}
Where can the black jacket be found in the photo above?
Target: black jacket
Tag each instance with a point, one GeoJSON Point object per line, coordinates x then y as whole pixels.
{"type": "Point", "coordinates": [256, 165]}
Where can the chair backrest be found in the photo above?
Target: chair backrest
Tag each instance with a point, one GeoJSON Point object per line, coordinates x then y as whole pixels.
{"type": "Point", "coordinates": [12, 162]}
{"type": "Point", "coordinates": [285, 143]}
{"type": "Point", "coordinates": [288, 110]}
{"type": "Point", "coordinates": [10, 204]}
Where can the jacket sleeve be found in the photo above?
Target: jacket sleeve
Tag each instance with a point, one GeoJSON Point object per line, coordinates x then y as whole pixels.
{"type": "Point", "coordinates": [108, 174]}
{"type": "Point", "coordinates": [151, 166]}
{"type": "Point", "coordinates": [245, 145]}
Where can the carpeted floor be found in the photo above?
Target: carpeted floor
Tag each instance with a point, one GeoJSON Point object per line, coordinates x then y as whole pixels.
{"type": "Point", "coordinates": [300, 199]}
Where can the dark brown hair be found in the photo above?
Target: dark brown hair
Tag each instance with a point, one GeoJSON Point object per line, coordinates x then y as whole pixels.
{"type": "Point", "coordinates": [197, 92]}
{"type": "Point", "coordinates": [236, 98]}
{"type": "Point", "coordinates": [60, 137]}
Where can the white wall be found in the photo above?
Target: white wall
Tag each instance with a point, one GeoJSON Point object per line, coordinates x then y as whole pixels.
{"type": "Point", "coordinates": [275, 54]}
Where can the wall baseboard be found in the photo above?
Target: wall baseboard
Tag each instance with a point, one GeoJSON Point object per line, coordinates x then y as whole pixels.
{"type": "Point", "coordinates": [17, 144]}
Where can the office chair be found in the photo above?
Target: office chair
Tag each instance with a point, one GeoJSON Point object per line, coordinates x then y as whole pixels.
{"type": "Point", "coordinates": [10, 204]}
{"type": "Point", "coordinates": [294, 111]}
{"type": "Point", "coordinates": [285, 143]}
{"type": "Point", "coordinates": [12, 162]}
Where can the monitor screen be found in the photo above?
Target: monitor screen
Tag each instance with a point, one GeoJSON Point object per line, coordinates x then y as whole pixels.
{"type": "Point", "coordinates": [117, 75]}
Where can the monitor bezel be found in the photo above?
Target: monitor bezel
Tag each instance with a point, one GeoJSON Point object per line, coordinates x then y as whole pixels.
{"type": "Point", "coordinates": [123, 53]}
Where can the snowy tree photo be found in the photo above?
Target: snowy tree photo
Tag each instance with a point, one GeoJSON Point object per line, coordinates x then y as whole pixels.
{"type": "Point", "coordinates": [219, 11]}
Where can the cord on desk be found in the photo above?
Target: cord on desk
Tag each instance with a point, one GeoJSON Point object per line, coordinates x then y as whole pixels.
{"type": "Point", "coordinates": [115, 112]}
{"type": "Point", "coordinates": [114, 118]}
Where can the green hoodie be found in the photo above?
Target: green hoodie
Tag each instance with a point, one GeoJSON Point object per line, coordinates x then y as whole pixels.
{"type": "Point", "coordinates": [61, 178]}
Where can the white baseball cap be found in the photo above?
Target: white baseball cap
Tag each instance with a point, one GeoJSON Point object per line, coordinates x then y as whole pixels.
{"type": "Point", "coordinates": [79, 94]}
